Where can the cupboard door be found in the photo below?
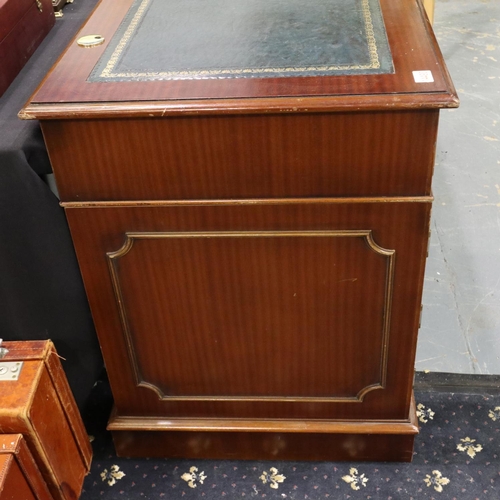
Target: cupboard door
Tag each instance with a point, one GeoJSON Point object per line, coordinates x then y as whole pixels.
{"type": "Point", "coordinates": [304, 309]}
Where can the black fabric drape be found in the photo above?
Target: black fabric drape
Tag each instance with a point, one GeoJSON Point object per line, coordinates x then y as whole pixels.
{"type": "Point", "coordinates": [41, 291]}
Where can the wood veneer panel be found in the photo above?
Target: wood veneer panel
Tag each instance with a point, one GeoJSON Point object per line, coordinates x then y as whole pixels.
{"type": "Point", "coordinates": [233, 305]}
{"type": "Point", "coordinates": [265, 446]}
{"type": "Point", "coordinates": [410, 37]}
{"type": "Point", "coordinates": [272, 440]}
{"type": "Point", "coordinates": [398, 226]}
{"type": "Point", "coordinates": [256, 156]}
{"type": "Point", "coordinates": [264, 439]}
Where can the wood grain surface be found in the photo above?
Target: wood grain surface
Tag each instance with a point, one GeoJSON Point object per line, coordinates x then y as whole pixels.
{"type": "Point", "coordinates": [266, 446]}
{"type": "Point", "coordinates": [266, 439]}
{"type": "Point", "coordinates": [233, 305]}
{"type": "Point", "coordinates": [256, 156]}
{"type": "Point", "coordinates": [177, 311]}
{"type": "Point", "coordinates": [23, 26]}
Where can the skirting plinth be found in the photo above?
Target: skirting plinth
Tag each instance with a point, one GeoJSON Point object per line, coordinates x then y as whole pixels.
{"type": "Point", "coordinates": [265, 439]}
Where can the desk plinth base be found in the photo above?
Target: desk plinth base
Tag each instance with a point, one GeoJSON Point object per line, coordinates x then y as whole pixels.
{"type": "Point", "coordinates": [265, 440]}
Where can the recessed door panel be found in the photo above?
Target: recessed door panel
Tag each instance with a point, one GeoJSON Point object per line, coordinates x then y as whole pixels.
{"type": "Point", "coordinates": [251, 315]}
{"type": "Point", "coordinates": [299, 310]}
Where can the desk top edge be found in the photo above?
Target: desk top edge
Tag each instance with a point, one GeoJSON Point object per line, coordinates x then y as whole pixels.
{"type": "Point", "coordinates": [62, 95]}
{"type": "Point", "coordinates": [207, 107]}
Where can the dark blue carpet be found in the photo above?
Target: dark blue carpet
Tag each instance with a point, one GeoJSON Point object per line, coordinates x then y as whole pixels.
{"type": "Point", "coordinates": [456, 457]}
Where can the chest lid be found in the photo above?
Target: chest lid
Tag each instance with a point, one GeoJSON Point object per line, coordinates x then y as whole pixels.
{"type": "Point", "coordinates": [171, 56]}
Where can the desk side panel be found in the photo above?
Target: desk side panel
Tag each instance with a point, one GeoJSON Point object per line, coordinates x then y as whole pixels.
{"type": "Point", "coordinates": [247, 156]}
{"type": "Point", "coordinates": [211, 311]}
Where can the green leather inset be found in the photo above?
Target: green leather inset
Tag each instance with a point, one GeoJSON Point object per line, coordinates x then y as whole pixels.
{"type": "Point", "coordinates": [176, 39]}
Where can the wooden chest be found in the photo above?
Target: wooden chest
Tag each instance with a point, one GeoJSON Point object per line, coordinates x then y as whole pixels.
{"type": "Point", "coordinates": [249, 197]}
{"type": "Point", "coordinates": [23, 26]}
{"type": "Point", "coordinates": [20, 478]}
{"type": "Point", "coordinates": [35, 401]}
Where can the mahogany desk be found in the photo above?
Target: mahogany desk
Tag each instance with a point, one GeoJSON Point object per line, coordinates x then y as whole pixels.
{"type": "Point", "coordinates": [249, 198]}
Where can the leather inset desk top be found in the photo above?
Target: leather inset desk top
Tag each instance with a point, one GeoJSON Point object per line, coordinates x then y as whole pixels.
{"type": "Point", "coordinates": [170, 57]}
{"type": "Point", "coordinates": [168, 39]}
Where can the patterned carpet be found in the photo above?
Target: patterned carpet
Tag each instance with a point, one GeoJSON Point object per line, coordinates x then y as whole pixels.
{"type": "Point", "coordinates": [456, 457]}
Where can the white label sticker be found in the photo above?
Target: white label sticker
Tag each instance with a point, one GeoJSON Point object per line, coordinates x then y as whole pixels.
{"type": "Point", "coordinates": [423, 76]}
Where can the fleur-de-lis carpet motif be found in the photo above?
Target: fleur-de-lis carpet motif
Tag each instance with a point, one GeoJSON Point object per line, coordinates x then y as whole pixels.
{"type": "Point", "coordinates": [113, 475]}
{"type": "Point", "coordinates": [456, 456]}
{"type": "Point", "coordinates": [468, 446]}
{"type": "Point", "coordinates": [192, 477]}
{"type": "Point", "coordinates": [495, 414]}
{"type": "Point", "coordinates": [424, 414]}
{"type": "Point", "coordinates": [272, 477]}
{"type": "Point", "coordinates": [437, 480]}
{"type": "Point", "coordinates": [354, 479]}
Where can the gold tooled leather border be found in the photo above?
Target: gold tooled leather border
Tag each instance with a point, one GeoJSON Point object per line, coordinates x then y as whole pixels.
{"type": "Point", "coordinates": [108, 71]}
